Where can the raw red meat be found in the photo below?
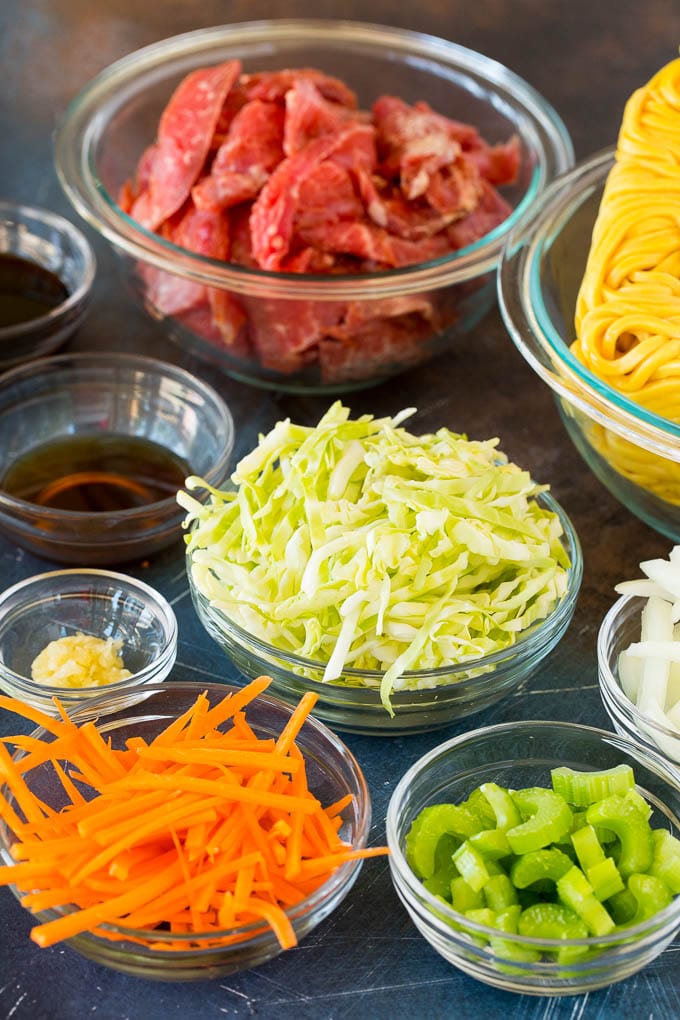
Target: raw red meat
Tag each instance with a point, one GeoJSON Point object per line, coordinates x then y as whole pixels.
{"type": "Point", "coordinates": [185, 134]}
{"type": "Point", "coordinates": [281, 171]}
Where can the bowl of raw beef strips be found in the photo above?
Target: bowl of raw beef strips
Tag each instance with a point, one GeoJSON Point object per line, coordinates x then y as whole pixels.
{"type": "Point", "coordinates": [311, 206]}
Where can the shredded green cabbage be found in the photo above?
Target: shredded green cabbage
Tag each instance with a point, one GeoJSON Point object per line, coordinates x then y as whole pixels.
{"type": "Point", "coordinates": [358, 544]}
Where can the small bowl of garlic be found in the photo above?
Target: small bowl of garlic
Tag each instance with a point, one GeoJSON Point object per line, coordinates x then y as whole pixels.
{"type": "Point", "coordinates": [69, 636]}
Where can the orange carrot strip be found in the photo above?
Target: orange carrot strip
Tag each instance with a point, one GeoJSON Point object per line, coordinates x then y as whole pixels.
{"type": "Point", "coordinates": [334, 809]}
{"type": "Point", "coordinates": [33, 809]}
{"type": "Point", "coordinates": [296, 721]}
{"type": "Point", "coordinates": [33, 715]}
{"type": "Point", "coordinates": [216, 788]}
{"type": "Point", "coordinates": [253, 759]}
{"type": "Point", "coordinates": [276, 918]}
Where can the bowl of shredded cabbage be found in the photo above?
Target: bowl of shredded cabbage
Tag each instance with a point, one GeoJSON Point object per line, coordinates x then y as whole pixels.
{"type": "Point", "coordinates": [407, 579]}
{"type": "Point", "coordinates": [590, 294]}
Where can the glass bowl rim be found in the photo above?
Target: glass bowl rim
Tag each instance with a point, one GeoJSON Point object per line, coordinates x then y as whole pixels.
{"type": "Point", "coordinates": [15, 211]}
{"type": "Point", "coordinates": [525, 644]}
{"type": "Point", "coordinates": [146, 365]}
{"type": "Point", "coordinates": [405, 879]}
{"type": "Point", "coordinates": [152, 598]}
{"type": "Point", "coordinates": [83, 122]}
{"type": "Point", "coordinates": [342, 877]}
{"type": "Point", "coordinates": [530, 326]}
{"type": "Point", "coordinates": [610, 685]}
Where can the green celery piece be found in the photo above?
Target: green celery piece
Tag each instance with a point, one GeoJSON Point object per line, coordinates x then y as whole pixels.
{"type": "Point", "coordinates": [503, 806]}
{"type": "Point", "coordinates": [507, 921]}
{"type": "Point", "coordinates": [632, 829]}
{"type": "Point", "coordinates": [429, 826]}
{"type": "Point", "coordinates": [605, 879]}
{"type": "Point", "coordinates": [651, 895]}
{"type": "Point", "coordinates": [491, 843]}
{"type": "Point", "coordinates": [479, 805]}
{"type": "Point", "coordinates": [622, 907]}
{"type": "Point", "coordinates": [575, 891]}
{"type": "Point", "coordinates": [604, 835]}
{"type": "Point", "coordinates": [581, 789]}
{"type": "Point", "coordinates": [666, 859]}
{"type": "Point", "coordinates": [471, 865]}
{"type": "Point", "coordinates": [500, 893]}
{"type": "Point", "coordinates": [587, 846]}
{"type": "Point", "coordinates": [555, 921]}
{"type": "Point", "coordinates": [548, 863]}
{"type": "Point", "coordinates": [640, 803]}
{"type": "Point", "coordinates": [464, 897]}
{"type": "Point", "coordinates": [548, 818]}
{"type": "Point", "coordinates": [439, 883]}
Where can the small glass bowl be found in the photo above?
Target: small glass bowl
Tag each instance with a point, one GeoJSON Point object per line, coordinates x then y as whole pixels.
{"type": "Point", "coordinates": [517, 755]}
{"type": "Point", "coordinates": [51, 242]}
{"type": "Point", "coordinates": [619, 628]}
{"type": "Point", "coordinates": [449, 693]}
{"type": "Point", "coordinates": [633, 452]}
{"type": "Point", "coordinates": [99, 603]}
{"type": "Point", "coordinates": [99, 394]}
{"type": "Point", "coordinates": [332, 773]}
{"type": "Point", "coordinates": [410, 314]}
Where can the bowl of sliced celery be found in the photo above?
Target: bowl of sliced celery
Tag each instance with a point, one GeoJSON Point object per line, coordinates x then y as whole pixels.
{"type": "Point", "coordinates": [638, 653]}
{"type": "Point", "coordinates": [408, 580]}
{"type": "Point", "coordinates": [539, 857]}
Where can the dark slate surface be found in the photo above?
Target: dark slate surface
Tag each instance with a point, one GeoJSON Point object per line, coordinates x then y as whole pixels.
{"type": "Point", "coordinates": [367, 960]}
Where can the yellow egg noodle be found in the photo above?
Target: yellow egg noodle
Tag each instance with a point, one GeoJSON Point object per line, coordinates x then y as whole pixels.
{"type": "Point", "coordinates": [628, 308]}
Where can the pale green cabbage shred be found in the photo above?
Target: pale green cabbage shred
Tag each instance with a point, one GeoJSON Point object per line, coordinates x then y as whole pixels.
{"type": "Point", "coordinates": [358, 544]}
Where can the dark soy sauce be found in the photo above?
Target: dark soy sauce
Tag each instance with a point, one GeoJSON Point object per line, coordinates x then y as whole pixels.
{"type": "Point", "coordinates": [27, 290]}
{"type": "Point", "coordinates": [96, 472]}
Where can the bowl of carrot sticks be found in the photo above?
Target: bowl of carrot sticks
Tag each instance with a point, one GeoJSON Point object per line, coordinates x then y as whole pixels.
{"type": "Point", "coordinates": [197, 834]}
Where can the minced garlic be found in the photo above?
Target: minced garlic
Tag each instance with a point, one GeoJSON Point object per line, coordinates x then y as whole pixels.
{"type": "Point", "coordinates": [80, 660]}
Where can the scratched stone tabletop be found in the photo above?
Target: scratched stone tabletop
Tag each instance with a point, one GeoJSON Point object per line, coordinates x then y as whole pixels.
{"type": "Point", "coordinates": [366, 960]}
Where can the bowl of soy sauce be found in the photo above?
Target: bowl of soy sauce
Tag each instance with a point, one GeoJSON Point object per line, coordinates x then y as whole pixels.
{"type": "Point", "coordinates": [47, 268]}
{"type": "Point", "coordinates": [93, 448]}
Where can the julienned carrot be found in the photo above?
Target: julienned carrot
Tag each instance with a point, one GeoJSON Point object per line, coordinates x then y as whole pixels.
{"type": "Point", "coordinates": [200, 831]}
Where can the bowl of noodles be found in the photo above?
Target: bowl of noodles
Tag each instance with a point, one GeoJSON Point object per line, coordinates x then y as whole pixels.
{"type": "Point", "coordinates": [590, 293]}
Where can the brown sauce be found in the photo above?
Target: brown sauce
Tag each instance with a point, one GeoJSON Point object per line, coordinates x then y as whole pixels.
{"type": "Point", "coordinates": [27, 290]}
{"type": "Point", "coordinates": [95, 473]}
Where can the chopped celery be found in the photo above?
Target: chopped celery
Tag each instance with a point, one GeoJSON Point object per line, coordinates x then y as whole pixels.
{"type": "Point", "coordinates": [432, 823]}
{"type": "Point", "coordinates": [491, 843]}
{"type": "Point", "coordinates": [503, 806]}
{"type": "Point", "coordinates": [545, 871]}
{"type": "Point", "coordinates": [632, 828]}
{"type": "Point", "coordinates": [605, 879]}
{"type": "Point", "coordinates": [575, 891]}
{"type": "Point", "coordinates": [549, 819]}
{"type": "Point", "coordinates": [583, 788]}
{"type": "Point", "coordinates": [471, 865]}
{"type": "Point", "coordinates": [666, 859]}
{"type": "Point", "coordinates": [587, 846]}
{"type": "Point", "coordinates": [464, 897]}
{"type": "Point", "coordinates": [651, 895]}
{"type": "Point", "coordinates": [500, 893]}
{"type": "Point", "coordinates": [539, 865]}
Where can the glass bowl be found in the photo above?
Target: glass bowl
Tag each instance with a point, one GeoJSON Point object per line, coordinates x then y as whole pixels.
{"type": "Point", "coordinates": [332, 773]}
{"type": "Point", "coordinates": [620, 627]}
{"type": "Point", "coordinates": [633, 452]}
{"type": "Point", "coordinates": [97, 603]}
{"type": "Point", "coordinates": [381, 322]}
{"type": "Point", "coordinates": [517, 755]}
{"type": "Point", "coordinates": [47, 268]}
{"type": "Point", "coordinates": [104, 399]}
{"type": "Point", "coordinates": [448, 693]}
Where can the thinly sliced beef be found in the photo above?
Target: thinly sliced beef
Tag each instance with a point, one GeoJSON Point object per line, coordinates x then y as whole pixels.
{"type": "Point", "coordinates": [252, 148]}
{"type": "Point", "coordinates": [273, 85]}
{"type": "Point", "coordinates": [185, 133]}
{"type": "Point", "coordinates": [199, 232]}
{"type": "Point", "coordinates": [286, 334]}
{"type": "Point", "coordinates": [281, 171]}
